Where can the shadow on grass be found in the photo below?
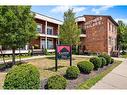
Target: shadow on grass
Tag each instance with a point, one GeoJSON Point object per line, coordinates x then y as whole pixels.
{"type": "Point", "coordinates": [8, 65]}
{"type": "Point", "coordinates": [53, 68]}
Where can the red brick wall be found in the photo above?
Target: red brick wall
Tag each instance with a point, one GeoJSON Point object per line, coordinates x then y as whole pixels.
{"type": "Point", "coordinates": [96, 36]}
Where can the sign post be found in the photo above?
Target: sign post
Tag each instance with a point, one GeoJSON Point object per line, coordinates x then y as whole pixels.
{"type": "Point", "coordinates": [63, 52]}
{"type": "Point", "coordinates": [56, 59]}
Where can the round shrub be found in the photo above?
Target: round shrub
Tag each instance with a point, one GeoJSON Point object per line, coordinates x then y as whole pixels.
{"type": "Point", "coordinates": [72, 72]}
{"type": "Point", "coordinates": [85, 66]}
{"type": "Point", "coordinates": [107, 57]}
{"type": "Point", "coordinates": [112, 60]}
{"type": "Point", "coordinates": [56, 82]}
{"type": "Point", "coordinates": [96, 62]}
{"type": "Point", "coordinates": [25, 76]}
{"type": "Point", "coordinates": [103, 60]}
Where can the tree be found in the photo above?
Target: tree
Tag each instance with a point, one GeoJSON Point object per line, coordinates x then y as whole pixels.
{"type": "Point", "coordinates": [69, 31]}
{"type": "Point", "coordinates": [17, 27]}
{"type": "Point", "coordinates": [122, 36]}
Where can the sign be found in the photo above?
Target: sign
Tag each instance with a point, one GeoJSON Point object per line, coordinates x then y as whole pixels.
{"type": "Point", "coordinates": [63, 52]}
{"type": "Point", "coordinates": [95, 22]}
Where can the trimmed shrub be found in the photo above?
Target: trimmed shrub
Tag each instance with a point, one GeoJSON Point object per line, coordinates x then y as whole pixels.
{"type": "Point", "coordinates": [112, 60]}
{"type": "Point", "coordinates": [56, 82]}
{"type": "Point", "coordinates": [107, 57]}
{"type": "Point", "coordinates": [24, 76]}
{"type": "Point", "coordinates": [72, 72]}
{"type": "Point", "coordinates": [96, 62]}
{"type": "Point", "coordinates": [103, 60]}
{"type": "Point", "coordinates": [85, 66]}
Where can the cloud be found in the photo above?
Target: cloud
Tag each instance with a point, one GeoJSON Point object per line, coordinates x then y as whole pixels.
{"type": "Point", "coordinates": [124, 20]}
{"type": "Point", "coordinates": [101, 9]}
{"type": "Point", "coordinates": [62, 9]}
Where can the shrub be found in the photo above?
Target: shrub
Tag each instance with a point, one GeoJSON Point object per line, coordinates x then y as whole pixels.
{"type": "Point", "coordinates": [96, 62]}
{"type": "Point", "coordinates": [56, 82]}
{"type": "Point", "coordinates": [72, 72]}
{"type": "Point", "coordinates": [25, 76]}
{"type": "Point", "coordinates": [103, 60]}
{"type": "Point", "coordinates": [112, 60]}
{"type": "Point", "coordinates": [85, 66]}
{"type": "Point", "coordinates": [107, 57]}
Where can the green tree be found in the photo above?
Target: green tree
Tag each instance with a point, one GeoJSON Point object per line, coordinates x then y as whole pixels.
{"type": "Point", "coordinates": [122, 36]}
{"type": "Point", "coordinates": [17, 27]}
{"type": "Point", "coordinates": [69, 31]}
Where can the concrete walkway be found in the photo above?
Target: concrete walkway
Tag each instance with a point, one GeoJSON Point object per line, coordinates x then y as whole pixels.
{"type": "Point", "coordinates": [116, 79]}
{"type": "Point", "coordinates": [33, 57]}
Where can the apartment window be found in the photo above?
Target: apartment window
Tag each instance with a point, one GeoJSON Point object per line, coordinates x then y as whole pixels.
{"type": "Point", "coordinates": [50, 30]}
{"type": "Point", "coordinates": [39, 28]}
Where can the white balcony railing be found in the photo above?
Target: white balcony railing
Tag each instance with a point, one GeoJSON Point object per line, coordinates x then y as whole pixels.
{"type": "Point", "coordinates": [82, 35]}
{"type": "Point", "coordinates": [80, 19]}
{"type": "Point", "coordinates": [47, 35]}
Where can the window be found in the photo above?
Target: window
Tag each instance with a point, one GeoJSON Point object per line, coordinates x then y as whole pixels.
{"type": "Point", "coordinates": [39, 28]}
{"type": "Point", "coordinates": [50, 30]}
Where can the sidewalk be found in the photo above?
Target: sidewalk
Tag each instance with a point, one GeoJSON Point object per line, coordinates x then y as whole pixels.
{"type": "Point", "coordinates": [34, 57]}
{"type": "Point", "coordinates": [116, 79]}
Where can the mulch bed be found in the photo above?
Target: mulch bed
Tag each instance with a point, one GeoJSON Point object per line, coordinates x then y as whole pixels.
{"type": "Point", "coordinates": [73, 83]}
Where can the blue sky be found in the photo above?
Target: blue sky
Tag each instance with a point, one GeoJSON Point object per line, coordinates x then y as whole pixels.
{"type": "Point", "coordinates": [117, 12]}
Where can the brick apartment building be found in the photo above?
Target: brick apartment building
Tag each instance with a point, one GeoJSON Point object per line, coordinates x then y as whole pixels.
{"type": "Point", "coordinates": [100, 31]}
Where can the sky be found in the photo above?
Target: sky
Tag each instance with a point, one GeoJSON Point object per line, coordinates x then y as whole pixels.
{"type": "Point", "coordinates": [57, 12]}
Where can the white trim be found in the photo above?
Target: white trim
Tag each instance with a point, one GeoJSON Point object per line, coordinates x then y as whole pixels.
{"type": "Point", "coordinates": [78, 19]}
{"type": "Point", "coordinates": [42, 17]}
{"type": "Point", "coordinates": [82, 35]}
{"type": "Point", "coordinates": [50, 36]}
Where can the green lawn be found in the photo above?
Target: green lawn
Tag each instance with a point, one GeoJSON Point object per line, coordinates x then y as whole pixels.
{"type": "Point", "coordinates": [93, 80]}
{"type": "Point", "coordinates": [46, 68]}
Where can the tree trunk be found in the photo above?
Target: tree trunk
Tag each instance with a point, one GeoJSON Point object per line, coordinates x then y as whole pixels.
{"type": "Point", "coordinates": [13, 56]}
{"type": "Point", "coordinates": [77, 51]}
{"type": "Point", "coordinates": [19, 55]}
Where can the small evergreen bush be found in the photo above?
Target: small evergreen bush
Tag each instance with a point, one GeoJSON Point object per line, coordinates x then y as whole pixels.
{"type": "Point", "coordinates": [96, 62]}
{"type": "Point", "coordinates": [103, 60]}
{"type": "Point", "coordinates": [56, 82]}
{"type": "Point", "coordinates": [72, 72]}
{"type": "Point", "coordinates": [24, 76]}
{"type": "Point", "coordinates": [85, 66]}
{"type": "Point", "coordinates": [112, 60]}
{"type": "Point", "coordinates": [107, 57]}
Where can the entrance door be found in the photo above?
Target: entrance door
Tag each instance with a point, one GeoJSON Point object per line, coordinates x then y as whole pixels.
{"type": "Point", "coordinates": [43, 45]}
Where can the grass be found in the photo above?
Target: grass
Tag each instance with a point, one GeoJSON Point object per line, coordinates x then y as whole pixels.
{"type": "Point", "coordinates": [93, 80]}
{"type": "Point", "coordinates": [46, 66]}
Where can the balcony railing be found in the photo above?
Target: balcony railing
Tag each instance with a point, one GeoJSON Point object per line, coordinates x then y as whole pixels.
{"type": "Point", "coordinates": [54, 33]}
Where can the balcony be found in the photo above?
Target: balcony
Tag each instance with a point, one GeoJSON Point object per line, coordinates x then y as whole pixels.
{"type": "Point", "coordinates": [80, 19]}
{"type": "Point", "coordinates": [83, 33]}
{"type": "Point", "coordinates": [54, 35]}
